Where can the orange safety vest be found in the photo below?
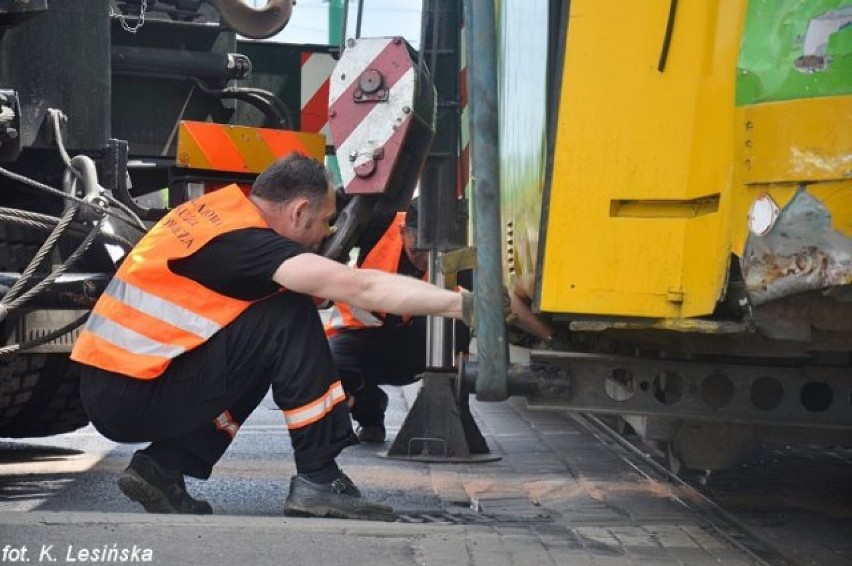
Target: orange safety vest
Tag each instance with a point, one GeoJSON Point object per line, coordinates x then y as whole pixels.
{"type": "Point", "coordinates": [148, 315]}
{"type": "Point", "coordinates": [384, 256]}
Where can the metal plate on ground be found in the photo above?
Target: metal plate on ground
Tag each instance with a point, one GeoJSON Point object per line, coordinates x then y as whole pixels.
{"type": "Point", "coordinates": [428, 458]}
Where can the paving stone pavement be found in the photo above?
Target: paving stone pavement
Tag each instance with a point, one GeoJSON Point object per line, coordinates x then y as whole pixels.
{"type": "Point", "coordinates": [556, 496]}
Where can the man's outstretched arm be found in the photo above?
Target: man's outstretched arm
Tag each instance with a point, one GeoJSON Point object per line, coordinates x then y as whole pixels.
{"type": "Point", "coordinates": [368, 289]}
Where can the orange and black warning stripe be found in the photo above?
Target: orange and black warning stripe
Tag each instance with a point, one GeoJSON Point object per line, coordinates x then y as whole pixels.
{"type": "Point", "coordinates": [240, 149]}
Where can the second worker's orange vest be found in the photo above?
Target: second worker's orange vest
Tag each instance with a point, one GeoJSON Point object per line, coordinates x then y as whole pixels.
{"type": "Point", "coordinates": [149, 315]}
{"type": "Point", "coordinates": [384, 256]}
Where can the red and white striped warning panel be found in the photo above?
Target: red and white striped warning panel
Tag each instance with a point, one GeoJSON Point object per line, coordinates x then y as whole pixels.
{"type": "Point", "coordinates": [371, 103]}
{"type": "Point", "coordinates": [316, 73]}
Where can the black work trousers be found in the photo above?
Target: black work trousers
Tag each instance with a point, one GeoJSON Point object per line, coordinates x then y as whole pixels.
{"type": "Point", "coordinates": [369, 357]}
{"type": "Point", "coordinates": [392, 354]}
{"type": "Point", "coordinates": [190, 413]}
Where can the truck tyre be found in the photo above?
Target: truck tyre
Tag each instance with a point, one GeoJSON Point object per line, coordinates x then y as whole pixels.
{"type": "Point", "coordinates": [39, 393]}
{"type": "Point", "coordinates": [39, 396]}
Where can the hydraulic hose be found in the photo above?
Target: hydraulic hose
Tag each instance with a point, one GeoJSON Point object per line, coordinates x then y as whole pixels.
{"type": "Point", "coordinates": [277, 113]}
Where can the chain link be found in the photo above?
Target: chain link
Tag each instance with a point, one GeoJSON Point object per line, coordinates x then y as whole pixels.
{"type": "Point", "coordinates": [139, 23]}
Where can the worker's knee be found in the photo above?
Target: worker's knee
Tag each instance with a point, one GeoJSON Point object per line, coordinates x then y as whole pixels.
{"type": "Point", "coordinates": [282, 308]}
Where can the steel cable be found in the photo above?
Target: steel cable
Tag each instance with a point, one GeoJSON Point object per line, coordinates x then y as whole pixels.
{"type": "Point", "coordinates": [41, 254]}
{"type": "Point", "coordinates": [6, 308]}
{"type": "Point", "coordinates": [15, 348]}
{"type": "Point", "coordinates": [41, 186]}
{"type": "Point", "coordinates": [44, 222]}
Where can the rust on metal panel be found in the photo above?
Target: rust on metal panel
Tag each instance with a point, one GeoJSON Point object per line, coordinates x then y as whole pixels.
{"type": "Point", "coordinates": [801, 252]}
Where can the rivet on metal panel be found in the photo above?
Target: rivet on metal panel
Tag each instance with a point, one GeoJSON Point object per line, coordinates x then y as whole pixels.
{"type": "Point", "coordinates": [366, 168]}
{"type": "Point", "coordinates": [370, 80]}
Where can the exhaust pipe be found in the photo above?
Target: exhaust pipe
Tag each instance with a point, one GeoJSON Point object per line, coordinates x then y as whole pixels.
{"type": "Point", "coordinates": [254, 23]}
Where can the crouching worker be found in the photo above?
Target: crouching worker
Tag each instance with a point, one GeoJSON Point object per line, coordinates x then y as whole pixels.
{"type": "Point", "coordinates": [382, 348]}
{"type": "Point", "coordinates": [212, 307]}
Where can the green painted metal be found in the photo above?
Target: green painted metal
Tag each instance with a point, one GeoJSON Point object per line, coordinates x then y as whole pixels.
{"type": "Point", "coordinates": [336, 13]}
{"type": "Point", "coordinates": [777, 57]}
{"type": "Point", "coordinates": [482, 65]}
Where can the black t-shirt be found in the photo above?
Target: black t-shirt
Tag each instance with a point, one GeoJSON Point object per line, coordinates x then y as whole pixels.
{"type": "Point", "coordinates": [239, 264]}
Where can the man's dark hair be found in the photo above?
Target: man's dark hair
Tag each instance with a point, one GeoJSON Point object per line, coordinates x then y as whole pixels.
{"type": "Point", "coordinates": [292, 176]}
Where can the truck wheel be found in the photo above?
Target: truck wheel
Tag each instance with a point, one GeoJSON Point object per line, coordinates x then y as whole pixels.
{"type": "Point", "coordinates": [39, 393]}
{"type": "Point", "coordinates": [39, 396]}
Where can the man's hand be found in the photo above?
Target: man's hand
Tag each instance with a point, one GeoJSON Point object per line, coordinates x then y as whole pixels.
{"type": "Point", "coordinates": [469, 312]}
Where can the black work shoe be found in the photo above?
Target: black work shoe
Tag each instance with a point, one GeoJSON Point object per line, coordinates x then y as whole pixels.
{"type": "Point", "coordinates": [339, 499]}
{"type": "Point", "coordinates": [345, 485]}
{"type": "Point", "coordinates": [371, 433]}
{"type": "Point", "coordinates": [157, 489]}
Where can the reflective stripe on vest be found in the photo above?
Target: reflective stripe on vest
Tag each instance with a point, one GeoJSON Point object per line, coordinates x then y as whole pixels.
{"type": "Point", "coordinates": [316, 409]}
{"type": "Point", "coordinates": [149, 315]}
{"type": "Point", "coordinates": [384, 256]}
{"type": "Point", "coordinates": [226, 423]}
{"type": "Point", "coordinates": [361, 317]}
{"type": "Point", "coordinates": [130, 340]}
{"type": "Point", "coordinates": [163, 309]}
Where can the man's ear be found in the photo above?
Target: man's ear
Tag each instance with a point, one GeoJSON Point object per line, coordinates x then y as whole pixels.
{"type": "Point", "coordinates": [301, 211]}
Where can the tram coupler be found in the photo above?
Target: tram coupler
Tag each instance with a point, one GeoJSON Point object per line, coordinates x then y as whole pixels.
{"type": "Point", "coordinates": [524, 380]}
